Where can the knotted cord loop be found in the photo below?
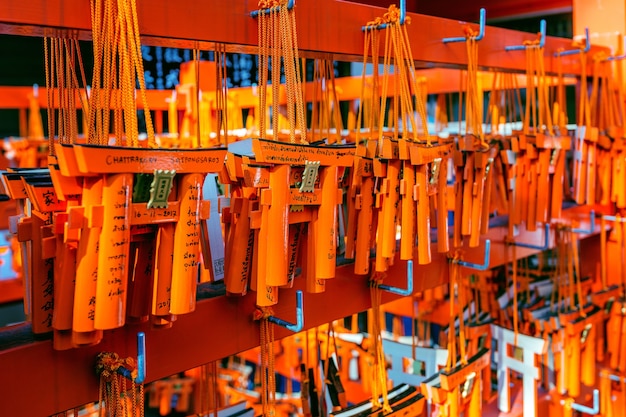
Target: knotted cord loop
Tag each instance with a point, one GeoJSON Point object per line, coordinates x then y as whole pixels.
{"type": "Point", "coordinates": [392, 15]}
{"type": "Point", "coordinates": [262, 313]}
{"type": "Point", "coordinates": [108, 363]}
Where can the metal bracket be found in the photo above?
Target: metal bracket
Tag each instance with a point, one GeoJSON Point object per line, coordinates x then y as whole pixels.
{"type": "Point", "coordinates": [613, 377]}
{"type": "Point", "coordinates": [480, 267]}
{"type": "Point", "coordinates": [299, 317]}
{"type": "Point", "coordinates": [481, 30]}
{"type": "Point", "coordinates": [141, 361]}
{"type": "Point", "coordinates": [309, 175]}
{"type": "Point", "coordinates": [574, 51]}
{"type": "Point", "coordinates": [546, 241]}
{"type": "Point", "coordinates": [384, 25]}
{"type": "Point", "coordinates": [588, 410]}
{"type": "Point", "coordinates": [542, 39]}
{"type": "Point", "coordinates": [592, 224]}
{"type": "Point", "coordinates": [614, 218]}
{"type": "Point", "coordinates": [409, 283]}
{"type": "Point", "coordinates": [618, 57]}
{"type": "Point", "coordinates": [255, 13]}
{"type": "Point", "coordinates": [161, 187]}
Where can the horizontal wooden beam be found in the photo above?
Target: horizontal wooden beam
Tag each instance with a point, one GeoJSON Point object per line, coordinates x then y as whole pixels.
{"type": "Point", "coordinates": [325, 28]}
{"type": "Point", "coordinates": [436, 81]}
{"type": "Point", "coordinates": [496, 9]}
{"type": "Point", "coordinates": [220, 327]}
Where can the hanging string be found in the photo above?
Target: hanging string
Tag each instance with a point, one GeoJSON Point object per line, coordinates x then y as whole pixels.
{"type": "Point", "coordinates": [379, 385]}
{"type": "Point", "coordinates": [584, 116]}
{"type": "Point", "coordinates": [138, 62]}
{"type": "Point", "coordinates": [60, 56]}
{"type": "Point", "coordinates": [291, 62]}
{"type": "Point", "coordinates": [221, 93]}
{"type": "Point", "coordinates": [368, 99]}
{"type": "Point", "coordinates": [385, 86]}
{"type": "Point", "coordinates": [462, 304]}
{"type": "Point", "coordinates": [197, 97]}
{"type": "Point", "coordinates": [473, 110]}
{"type": "Point", "coordinates": [529, 114]}
{"type": "Point", "coordinates": [267, 368]}
{"type": "Point", "coordinates": [49, 71]}
{"type": "Point", "coordinates": [275, 48]}
{"type": "Point", "coordinates": [622, 245]}
{"type": "Point", "coordinates": [407, 91]}
{"type": "Point", "coordinates": [451, 345]}
{"type": "Point", "coordinates": [215, 387]}
{"type": "Point", "coordinates": [263, 66]}
{"type": "Point", "coordinates": [280, 25]}
{"type": "Point", "coordinates": [115, 399]}
{"type": "Point", "coordinates": [515, 306]}
{"type": "Point", "coordinates": [543, 92]}
{"type": "Point", "coordinates": [117, 45]}
{"type": "Point", "coordinates": [359, 118]}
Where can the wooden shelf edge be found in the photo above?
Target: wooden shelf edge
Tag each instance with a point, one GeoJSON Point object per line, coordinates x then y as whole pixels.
{"type": "Point", "coordinates": [220, 327]}
{"type": "Point", "coordinates": [11, 290]}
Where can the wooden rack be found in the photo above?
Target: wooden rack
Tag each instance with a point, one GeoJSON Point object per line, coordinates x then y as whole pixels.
{"type": "Point", "coordinates": [38, 381]}
{"type": "Point", "coordinates": [321, 23]}
{"type": "Point", "coordinates": [220, 326]}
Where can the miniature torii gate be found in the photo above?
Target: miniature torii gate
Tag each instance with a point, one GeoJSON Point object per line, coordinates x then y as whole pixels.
{"type": "Point", "coordinates": [532, 347]}
{"type": "Point", "coordinates": [433, 360]}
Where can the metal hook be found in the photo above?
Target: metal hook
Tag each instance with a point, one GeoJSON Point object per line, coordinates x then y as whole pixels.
{"type": "Point", "coordinates": [618, 57]}
{"type": "Point", "coordinates": [141, 361]}
{"type": "Point", "coordinates": [592, 224]}
{"type": "Point", "coordinates": [481, 30]}
{"type": "Point", "coordinates": [480, 267]}
{"type": "Point", "coordinates": [409, 283]}
{"type": "Point", "coordinates": [255, 13]}
{"type": "Point", "coordinates": [542, 39]}
{"type": "Point", "coordinates": [546, 241]}
{"type": "Point", "coordinates": [573, 51]}
{"type": "Point", "coordinates": [402, 11]}
{"type": "Point", "coordinates": [384, 25]}
{"type": "Point", "coordinates": [299, 317]}
{"type": "Point", "coordinates": [614, 218]}
{"type": "Point", "coordinates": [588, 410]}
{"type": "Point", "coordinates": [613, 377]}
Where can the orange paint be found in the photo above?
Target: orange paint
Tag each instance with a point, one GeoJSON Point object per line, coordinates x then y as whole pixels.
{"type": "Point", "coordinates": [41, 270]}
{"type": "Point", "coordinates": [274, 152]}
{"type": "Point", "coordinates": [365, 225]}
{"type": "Point", "coordinates": [443, 240]}
{"type": "Point", "coordinates": [94, 159]}
{"type": "Point", "coordinates": [64, 277]}
{"type": "Point", "coordinates": [277, 226]}
{"type": "Point", "coordinates": [143, 257]}
{"type": "Point", "coordinates": [266, 295]}
{"type": "Point", "coordinates": [420, 194]}
{"type": "Point", "coordinates": [113, 252]}
{"type": "Point", "coordinates": [186, 245]}
{"type": "Point", "coordinates": [85, 219]}
{"type": "Point", "coordinates": [478, 189]}
{"type": "Point", "coordinates": [324, 224]}
{"type": "Point", "coordinates": [557, 177]}
{"type": "Point", "coordinates": [389, 192]}
{"type": "Point", "coordinates": [240, 247]}
{"type": "Point", "coordinates": [407, 235]}
{"type": "Point", "coordinates": [162, 286]}
{"type": "Point", "coordinates": [468, 189]}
